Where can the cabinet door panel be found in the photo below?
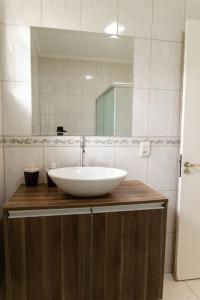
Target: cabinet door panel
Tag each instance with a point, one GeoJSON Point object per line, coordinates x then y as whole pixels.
{"type": "Point", "coordinates": [76, 239]}
{"type": "Point", "coordinates": [125, 255]}
{"type": "Point", "coordinates": [49, 258]}
{"type": "Point", "coordinates": [156, 254]}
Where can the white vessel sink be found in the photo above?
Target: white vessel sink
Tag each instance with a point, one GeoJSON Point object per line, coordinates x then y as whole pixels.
{"type": "Point", "coordinates": [87, 181]}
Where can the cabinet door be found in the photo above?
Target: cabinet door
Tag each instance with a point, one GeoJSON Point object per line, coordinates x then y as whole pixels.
{"type": "Point", "coordinates": [49, 257]}
{"type": "Point", "coordinates": [127, 255]}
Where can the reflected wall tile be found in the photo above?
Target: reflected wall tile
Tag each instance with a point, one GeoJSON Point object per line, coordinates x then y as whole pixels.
{"type": "Point", "coordinates": [164, 113]}
{"type": "Point", "coordinates": [89, 124]}
{"type": "Point", "coordinates": [61, 66]}
{"type": "Point", "coordinates": [36, 130]}
{"type": "Point", "coordinates": [192, 9]}
{"type": "Point", "coordinates": [62, 84]}
{"type": "Point", "coordinates": [47, 84]}
{"type": "Point", "coordinates": [75, 124]}
{"type": "Point", "coordinates": [61, 104]}
{"type": "Point", "coordinates": [141, 63]}
{"type": "Point", "coordinates": [98, 15]}
{"type": "Point", "coordinates": [62, 156]}
{"type": "Point", "coordinates": [75, 67]}
{"type": "Point", "coordinates": [62, 14]}
{"type": "Point", "coordinates": [89, 106]}
{"type": "Point", "coordinates": [90, 88]}
{"type": "Point", "coordinates": [46, 66]}
{"type": "Point", "coordinates": [166, 70]}
{"type": "Point", "coordinates": [75, 85]}
{"type": "Point", "coordinates": [75, 105]}
{"type": "Point", "coordinates": [46, 104]}
{"type": "Point", "coordinates": [103, 69]}
{"type": "Point", "coordinates": [100, 156]}
{"type": "Point", "coordinates": [136, 17]}
{"type": "Point", "coordinates": [164, 29]}
{"type": "Point", "coordinates": [140, 112]}
{"type": "Point", "coordinates": [90, 68]}
{"type": "Point", "coordinates": [15, 53]}
{"type": "Point", "coordinates": [127, 158]}
{"type": "Point", "coordinates": [47, 124]}
{"type": "Point", "coordinates": [62, 120]}
{"type": "Point", "coordinates": [21, 12]}
{"type": "Point", "coordinates": [102, 85]}
{"type": "Point", "coordinates": [17, 115]}
{"type": "Point", "coordinates": [127, 72]}
{"type": "Point", "coordinates": [115, 71]}
{"type": "Point", "coordinates": [16, 159]}
{"type": "Point", "coordinates": [163, 168]}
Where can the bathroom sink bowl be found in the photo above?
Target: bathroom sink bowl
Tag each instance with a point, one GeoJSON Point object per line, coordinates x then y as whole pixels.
{"type": "Point", "coordinates": [87, 181]}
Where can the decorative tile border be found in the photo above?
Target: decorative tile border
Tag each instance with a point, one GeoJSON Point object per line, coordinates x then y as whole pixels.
{"type": "Point", "coordinates": [47, 141]}
{"type": "Point", "coordinates": [42, 141]}
{"type": "Point", "coordinates": [132, 141]}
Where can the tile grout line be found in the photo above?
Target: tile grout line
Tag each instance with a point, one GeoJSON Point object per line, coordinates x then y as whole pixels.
{"type": "Point", "coordinates": [185, 282]}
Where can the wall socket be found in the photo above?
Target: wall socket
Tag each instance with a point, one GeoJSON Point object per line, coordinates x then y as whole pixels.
{"type": "Point", "coordinates": [145, 149]}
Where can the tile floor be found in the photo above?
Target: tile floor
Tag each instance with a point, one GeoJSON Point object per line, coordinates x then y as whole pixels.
{"type": "Point", "coordinates": [182, 290]}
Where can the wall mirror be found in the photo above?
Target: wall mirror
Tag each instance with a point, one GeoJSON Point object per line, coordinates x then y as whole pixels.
{"type": "Point", "coordinates": [81, 83]}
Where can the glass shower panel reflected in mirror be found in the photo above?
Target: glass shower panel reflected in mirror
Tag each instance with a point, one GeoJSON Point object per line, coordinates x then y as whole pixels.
{"type": "Point", "coordinates": [114, 111]}
{"type": "Point", "coordinates": [81, 83]}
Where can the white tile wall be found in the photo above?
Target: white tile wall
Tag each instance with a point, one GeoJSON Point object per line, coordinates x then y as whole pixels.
{"type": "Point", "coordinates": [141, 63]}
{"type": "Point", "coordinates": [15, 53]}
{"type": "Point", "coordinates": [127, 158]}
{"type": "Point", "coordinates": [140, 112]}
{"type": "Point", "coordinates": [16, 159]}
{"type": "Point", "coordinates": [163, 168]}
{"type": "Point", "coordinates": [164, 111]}
{"type": "Point", "coordinates": [20, 12]}
{"type": "Point", "coordinates": [62, 156]}
{"type": "Point", "coordinates": [16, 100]}
{"type": "Point", "coordinates": [97, 15]}
{"type": "Point", "coordinates": [63, 14]}
{"type": "Point", "coordinates": [136, 16]}
{"type": "Point", "coordinates": [100, 156]}
{"type": "Point", "coordinates": [157, 66]}
{"type": "Point", "coordinates": [192, 9]}
{"type": "Point", "coordinates": [163, 28]}
{"type": "Point", "coordinates": [166, 65]}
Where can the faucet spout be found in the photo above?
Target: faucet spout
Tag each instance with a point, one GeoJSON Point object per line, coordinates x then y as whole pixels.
{"type": "Point", "coordinates": [83, 146]}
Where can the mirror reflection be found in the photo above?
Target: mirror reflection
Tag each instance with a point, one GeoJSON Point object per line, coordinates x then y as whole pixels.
{"type": "Point", "coordinates": [81, 83]}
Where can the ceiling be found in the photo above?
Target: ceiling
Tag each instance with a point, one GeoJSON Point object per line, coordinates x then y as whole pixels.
{"type": "Point", "coordinates": [82, 45]}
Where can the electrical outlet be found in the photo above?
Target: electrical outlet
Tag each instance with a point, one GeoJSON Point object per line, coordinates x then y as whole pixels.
{"type": "Point", "coordinates": [145, 149]}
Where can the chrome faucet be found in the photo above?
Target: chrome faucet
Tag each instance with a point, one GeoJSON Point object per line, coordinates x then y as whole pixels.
{"type": "Point", "coordinates": [83, 145]}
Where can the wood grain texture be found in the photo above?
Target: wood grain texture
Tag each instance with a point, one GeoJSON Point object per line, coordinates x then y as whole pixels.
{"type": "Point", "coordinates": [95, 256]}
{"type": "Point", "coordinates": [42, 197]}
{"type": "Point", "coordinates": [127, 259]}
{"type": "Point", "coordinates": [49, 258]}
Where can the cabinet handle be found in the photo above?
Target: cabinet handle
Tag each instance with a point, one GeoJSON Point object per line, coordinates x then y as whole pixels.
{"type": "Point", "coordinates": [14, 214]}
{"type": "Point", "coordinates": [123, 208]}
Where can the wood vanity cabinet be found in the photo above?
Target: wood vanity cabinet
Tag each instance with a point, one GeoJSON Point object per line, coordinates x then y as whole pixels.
{"type": "Point", "coordinates": [108, 248]}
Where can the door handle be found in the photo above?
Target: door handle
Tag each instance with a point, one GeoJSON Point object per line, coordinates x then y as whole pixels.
{"type": "Point", "coordinates": [188, 166]}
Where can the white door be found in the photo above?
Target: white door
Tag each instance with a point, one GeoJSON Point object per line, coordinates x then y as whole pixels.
{"type": "Point", "coordinates": [187, 265]}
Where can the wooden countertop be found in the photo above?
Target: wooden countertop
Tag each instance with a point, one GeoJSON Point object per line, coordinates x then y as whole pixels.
{"type": "Point", "coordinates": [44, 197]}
